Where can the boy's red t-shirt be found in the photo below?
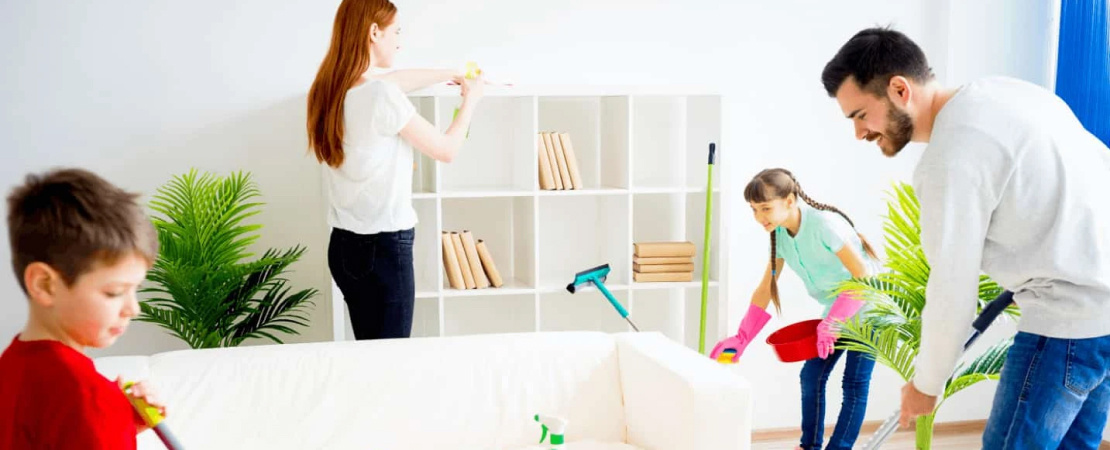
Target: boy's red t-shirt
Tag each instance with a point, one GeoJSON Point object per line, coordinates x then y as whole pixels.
{"type": "Point", "coordinates": [52, 397]}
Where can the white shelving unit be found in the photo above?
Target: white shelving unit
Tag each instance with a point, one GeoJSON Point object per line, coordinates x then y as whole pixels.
{"type": "Point", "coordinates": [642, 154]}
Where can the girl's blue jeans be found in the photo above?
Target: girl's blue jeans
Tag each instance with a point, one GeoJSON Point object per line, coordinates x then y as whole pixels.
{"type": "Point", "coordinates": [855, 383]}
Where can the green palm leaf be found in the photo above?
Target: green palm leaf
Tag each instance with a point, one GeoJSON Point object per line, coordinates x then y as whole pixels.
{"type": "Point", "coordinates": [885, 344]}
{"type": "Point", "coordinates": [987, 366]}
{"type": "Point", "coordinates": [205, 291]}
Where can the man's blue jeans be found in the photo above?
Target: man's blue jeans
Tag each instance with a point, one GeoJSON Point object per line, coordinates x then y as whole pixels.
{"type": "Point", "coordinates": [1053, 393]}
{"type": "Point", "coordinates": [856, 383]}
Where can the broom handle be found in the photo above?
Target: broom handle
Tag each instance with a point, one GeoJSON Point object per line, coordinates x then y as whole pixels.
{"type": "Point", "coordinates": [990, 312]}
{"type": "Point", "coordinates": [705, 247]}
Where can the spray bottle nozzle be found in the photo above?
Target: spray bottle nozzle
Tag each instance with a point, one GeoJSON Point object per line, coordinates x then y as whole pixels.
{"type": "Point", "coordinates": [557, 426]}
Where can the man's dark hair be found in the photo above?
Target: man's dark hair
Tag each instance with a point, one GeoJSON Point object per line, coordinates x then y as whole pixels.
{"type": "Point", "coordinates": [874, 56]}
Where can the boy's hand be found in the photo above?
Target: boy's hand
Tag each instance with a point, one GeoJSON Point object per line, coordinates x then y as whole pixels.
{"type": "Point", "coordinates": [146, 392]}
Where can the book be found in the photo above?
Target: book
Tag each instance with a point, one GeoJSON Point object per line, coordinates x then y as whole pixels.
{"type": "Point", "coordinates": [662, 277]}
{"type": "Point", "coordinates": [464, 264]}
{"type": "Point", "coordinates": [546, 180]}
{"type": "Point", "coordinates": [451, 263]}
{"type": "Point", "coordinates": [550, 147]}
{"type": "Point", "coordinates": [662, 260]}
{"type": "Point", "coordinates": [662, 268]}
{"type": "Point", "coordinates": [480, 280]}
{"type": "Point", "coordinates": [663, 249]}
{"type": "Point", "coordinates": [561, 157]}
{"type": "Point", "coordinates": [487, 262]}
{"type": "Point", "coordinates": [572, 160]}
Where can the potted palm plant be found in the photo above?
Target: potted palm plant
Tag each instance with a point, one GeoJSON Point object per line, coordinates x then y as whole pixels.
{"type": "Point", "coordinates": [204, 289]}
{"type": "Point", "coordinates": [890, 331]}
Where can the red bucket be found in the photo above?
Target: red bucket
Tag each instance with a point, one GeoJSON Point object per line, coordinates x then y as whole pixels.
{"type": "Point", "coordinates": [795, 342]}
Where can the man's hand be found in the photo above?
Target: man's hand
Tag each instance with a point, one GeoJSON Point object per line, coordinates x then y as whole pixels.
{"type": "Point", "coordinates": [915, 403]}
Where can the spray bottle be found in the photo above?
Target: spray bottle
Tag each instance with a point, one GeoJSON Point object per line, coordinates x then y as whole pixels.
{"type": "Point", "coordinates": [472, 72]}
{"type": "Point", "coordinates": [556, 426]}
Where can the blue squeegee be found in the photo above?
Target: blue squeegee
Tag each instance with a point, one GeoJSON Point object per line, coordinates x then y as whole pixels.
{"type": "Point", "coordinates": [596, 276]}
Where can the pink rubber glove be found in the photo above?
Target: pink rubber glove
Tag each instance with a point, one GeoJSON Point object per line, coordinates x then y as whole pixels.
{"type": "Point", "coordinates": [844, 308]}
{"type": "Point", "coordinates": [753, 322]}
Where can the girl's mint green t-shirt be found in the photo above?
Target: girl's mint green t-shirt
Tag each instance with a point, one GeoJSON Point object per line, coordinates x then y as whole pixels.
{"type": "Point", "coordinates": [811, 254]}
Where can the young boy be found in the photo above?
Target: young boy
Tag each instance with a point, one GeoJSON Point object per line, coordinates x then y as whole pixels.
{"type": "Point", "coordinates": [80, 247]}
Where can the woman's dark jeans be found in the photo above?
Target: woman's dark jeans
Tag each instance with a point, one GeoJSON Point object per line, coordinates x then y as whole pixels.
{"type": "Point", "coordinates": [375, 274]}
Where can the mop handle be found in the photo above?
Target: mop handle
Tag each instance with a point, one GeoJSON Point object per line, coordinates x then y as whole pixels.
{"type": "Point", "coordinates": [609, 296]}
{"type": "Point", "coordinates": [153, 419]}
{"type": "Point", "coordinates": [167, 437]}
{"type": "Point", "coordinates": [990, 312]}
{"type": "Point", "coordinates": [705, 247]}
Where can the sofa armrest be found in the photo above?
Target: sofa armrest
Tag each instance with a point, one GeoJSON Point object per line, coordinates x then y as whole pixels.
{"type": "Point", "coordinates": [675, 398]}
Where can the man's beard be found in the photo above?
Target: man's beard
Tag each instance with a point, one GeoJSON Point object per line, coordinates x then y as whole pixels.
{"type": "Point", "coordinates": [897, 134]}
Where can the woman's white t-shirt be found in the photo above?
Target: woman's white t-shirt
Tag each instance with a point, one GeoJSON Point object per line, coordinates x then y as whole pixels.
{"type": "Point", "coordinates": [371, 192]}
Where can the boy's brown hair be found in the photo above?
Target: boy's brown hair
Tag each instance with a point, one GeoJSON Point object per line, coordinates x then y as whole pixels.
{"type": "Point", "coordinates": [73, 220]}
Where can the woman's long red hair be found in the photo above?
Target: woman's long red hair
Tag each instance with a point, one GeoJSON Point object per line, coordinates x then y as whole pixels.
{"type": "Point", "coordinates": [347, 59]}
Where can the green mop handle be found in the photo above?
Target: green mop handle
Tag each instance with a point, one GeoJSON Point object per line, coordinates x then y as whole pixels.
{"type": "Point", "coordinates": [705, 247]}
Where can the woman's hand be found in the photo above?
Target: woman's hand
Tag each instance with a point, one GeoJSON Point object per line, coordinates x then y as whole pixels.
{"type": "Point", "coordinates": [474, 88]}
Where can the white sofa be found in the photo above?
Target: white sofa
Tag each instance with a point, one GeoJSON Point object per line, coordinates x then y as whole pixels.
{"type": "Point", "coordinates": [618, 391]}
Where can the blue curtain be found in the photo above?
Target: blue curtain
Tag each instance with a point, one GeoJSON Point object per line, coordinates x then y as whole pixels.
{"type": "Point", "coordinates": [1083, 63]}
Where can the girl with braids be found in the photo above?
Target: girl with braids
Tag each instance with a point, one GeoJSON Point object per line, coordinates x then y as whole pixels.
{"type": "Point", "coordinates": [820, 244]}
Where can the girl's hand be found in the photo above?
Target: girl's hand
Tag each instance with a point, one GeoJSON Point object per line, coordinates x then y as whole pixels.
{"type": "Point", "coordinates": [737, 343]}
{"type": "Point", "coordinates": [826, 338]}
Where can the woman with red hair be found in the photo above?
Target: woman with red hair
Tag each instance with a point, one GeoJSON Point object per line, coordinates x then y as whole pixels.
{"type": "Point", "coordinates": [363, 127]}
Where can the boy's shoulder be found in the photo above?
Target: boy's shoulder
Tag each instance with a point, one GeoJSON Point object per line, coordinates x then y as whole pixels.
{"type": "Point", "coordinates": [59, 395]}
{"type": "Point", "coordinates": [49, 366]}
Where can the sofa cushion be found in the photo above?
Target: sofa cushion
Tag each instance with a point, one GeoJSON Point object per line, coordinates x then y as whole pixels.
{"type": "Point", "coordinates": [477, 392]}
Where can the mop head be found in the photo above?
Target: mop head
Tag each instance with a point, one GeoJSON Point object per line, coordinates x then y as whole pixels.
{"type": "Point", "coordinates": [589, 276]}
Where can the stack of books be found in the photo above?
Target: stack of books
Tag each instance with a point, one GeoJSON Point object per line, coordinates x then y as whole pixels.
{"type": "Point", "coordinates": [663, 261]}
{"type": "Point", "coordinates": [468, 262]}
{"type": "Point", "coordinates": [558, 163]}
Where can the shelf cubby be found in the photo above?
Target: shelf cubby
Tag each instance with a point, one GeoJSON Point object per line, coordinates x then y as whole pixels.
{"type": "Point", "coordinates": [505, 224]}
{"type": "Point", "coordinates": [472, 315]}
{"type": "Point", "coordinates": [424, 167]}
{"type": "Point", "coordinates": [426, 248]}
{"type": "Point", "coordinates": [577, 233]}
{"type": "Point", "coordinates": [499, 154]}
{"type": "Point", "coordinates": [425, 318]}
{"type": "Point", "coordinates": [659, 142]}
{"type": "Point", "coordinates": [587, 310]}
{"type": "Point", "coordinates": [598, 131]}
{"type": "Point", "coordinates": [703, 125]}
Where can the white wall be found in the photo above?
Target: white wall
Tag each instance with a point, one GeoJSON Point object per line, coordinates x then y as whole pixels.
{"type": "Point", "coordinates": [1003, 37]}
{"type": "Point", "coordinates": [140, 91]}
